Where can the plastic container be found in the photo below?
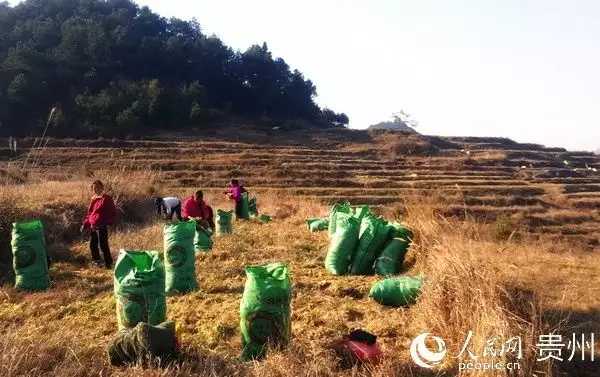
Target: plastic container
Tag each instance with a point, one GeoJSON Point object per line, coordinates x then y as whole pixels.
{"type": "Point", "coordinates": [364, 352]}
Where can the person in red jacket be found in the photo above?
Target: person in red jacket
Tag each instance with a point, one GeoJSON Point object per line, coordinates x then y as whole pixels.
{"type": "Point", "coordinates": [195, 207]}
{"type": "Point", "coordinates": [101, 213]}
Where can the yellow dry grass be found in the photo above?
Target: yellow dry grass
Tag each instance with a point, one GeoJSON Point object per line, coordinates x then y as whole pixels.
{"type": "Point", "coordinates": [488, 156]}
{"type": "Point", "coordinates": [495, 289]}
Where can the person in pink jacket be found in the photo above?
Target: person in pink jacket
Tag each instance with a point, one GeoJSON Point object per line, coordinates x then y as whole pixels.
{"type": "Point", "coordinates": [235, 193]}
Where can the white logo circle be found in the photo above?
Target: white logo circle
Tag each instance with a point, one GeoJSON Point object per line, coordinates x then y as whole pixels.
{"type": "Point", "coordinates": [422, 356]}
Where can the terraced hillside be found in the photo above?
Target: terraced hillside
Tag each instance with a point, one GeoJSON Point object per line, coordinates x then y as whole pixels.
{"type": "Point", "coordinates": [517, 186]}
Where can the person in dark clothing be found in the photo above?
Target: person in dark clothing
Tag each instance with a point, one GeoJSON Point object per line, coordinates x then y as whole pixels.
{"type": "Point", "coordinates": [101, 213]}
{"type": "Point", "coordinates": [242, 188]}
{"type": "Point", "coordinates": [211, 217]}
{"type": "Point", "coordinates": [169, 206]}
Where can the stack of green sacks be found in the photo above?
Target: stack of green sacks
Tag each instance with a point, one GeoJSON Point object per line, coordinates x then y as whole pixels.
{"type": "Point", "coordinates": [336, 210]}
{"type": "Point", "coordinates": [373, 236]}
{"type": "Point", "coordinates": [29, 256]}
{"type": "Point", "coordinates": [391, 259]}
{"type": "Point", "coordinates": [139, 285]}
{"type": "Point", "coordinates": [180, 257]}
{"type": "Point", "coordinates": [362, 243]}
{"type": "Point", "coordinates": [342, 243]}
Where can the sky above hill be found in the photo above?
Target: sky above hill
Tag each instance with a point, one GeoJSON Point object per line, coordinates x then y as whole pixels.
{"type": "Point", "coordinates": [523, 69]}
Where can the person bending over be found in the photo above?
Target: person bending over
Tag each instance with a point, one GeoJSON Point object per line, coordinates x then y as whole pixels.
{"type": "Point", "coordinates": [196, 208]}
{"type": "Point", "coordinates": [168, 207]}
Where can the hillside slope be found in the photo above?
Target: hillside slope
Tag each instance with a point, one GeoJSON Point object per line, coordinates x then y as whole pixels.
{"type": "Point", "coordinates": [498, 281]}
{"type": "Point", "coordinates": [526, 186]}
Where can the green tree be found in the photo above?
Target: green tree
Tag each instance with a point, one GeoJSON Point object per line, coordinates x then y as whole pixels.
{"type": "Point", "coordinates": [113, 65]}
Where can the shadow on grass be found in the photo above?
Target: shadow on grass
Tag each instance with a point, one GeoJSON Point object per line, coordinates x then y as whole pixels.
{"type": "Point", "coordinates": [578, 322]}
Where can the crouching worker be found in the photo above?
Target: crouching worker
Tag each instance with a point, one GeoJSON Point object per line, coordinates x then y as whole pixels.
{"type": "Point", "coordinates": [101, 213]}
{"type": "Point", "coordinates": [168, 207]}
{"type": "Point", "coordinates": [196, 208]}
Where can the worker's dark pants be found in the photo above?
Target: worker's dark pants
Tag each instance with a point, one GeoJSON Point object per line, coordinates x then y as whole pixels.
{"type": "Point", "coordinates": [211, 218]}
{"type": "Point", "coordinates": [239, 213]}
{"type": "Point", "coordinates": [177, 211]}
{"type": "Point", "coordinates": [99, 241]}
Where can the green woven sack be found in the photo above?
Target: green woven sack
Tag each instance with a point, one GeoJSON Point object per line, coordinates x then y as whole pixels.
{"type": "Point", "coordinates": [373, 236]}
{"type": "Point", "coordinates": [202, 240]}
{"type": "Point", "coordinates": [180, 257]}
{"type": "Point", "coordinates": [265, 312]}
{"type": "Point", "coordinates": [245, 213]}
{"type": "Point", "coordinates": [139, 286]}
{"type": "Point", "coordinates": [342, 244]}
{"type": "Point", "coordinates": [398, 291]}
{"type": "Point", "coordinates": [360, 212]}
{"type": "Point", "coordinates": [144, 344]}
{"type": "Point", "coordinates": [223, 222]}
{"type": "Point", "coordinates": [29, 256]}
{"type": "Point", "coordinates": [252, 210]}
{"type": "Point", "coordinates": [318, 224]}
{"type": "Point", "coordinates": [391, 258]}
{"type": "Point", "coordinates": [333, 214]}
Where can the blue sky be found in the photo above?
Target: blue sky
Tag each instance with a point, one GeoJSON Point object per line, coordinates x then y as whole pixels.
{"type": "Point", "coordinates": [524, 69]}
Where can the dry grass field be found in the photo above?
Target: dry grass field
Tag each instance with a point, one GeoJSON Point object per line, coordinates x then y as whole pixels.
{"type": "Point", "coordinates": [508, 251]}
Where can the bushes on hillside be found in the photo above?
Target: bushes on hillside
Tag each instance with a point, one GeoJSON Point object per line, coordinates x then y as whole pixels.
{"type": "Point", "coordinates": [115, 68]}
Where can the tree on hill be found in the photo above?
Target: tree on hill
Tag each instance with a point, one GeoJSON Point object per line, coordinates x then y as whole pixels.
{"type": "Point", "coordinates": [401, 121]}
{"type": "Point", "coordinates": [115, 68]}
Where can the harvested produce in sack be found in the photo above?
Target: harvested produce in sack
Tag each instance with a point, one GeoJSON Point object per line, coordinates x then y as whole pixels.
{"type": "Point", "coordinates": [139, 288]}
{"type": "Point", "coordinates": [224, 222]}
{"type": "Point", "coordinates": [265, 310]}
{"type": "Point", "coordinates": [398, 291]}
{"type": "Point", "coordinates": [252, 209]}
{"type": "Point", "coordinates": [342, 244]}
{"type": "Point", "coordinates": [144, 343]}
{"type": "Point", "coordinates": [203, 240]}
{"type": "Point", "coordinates": [392, 257]}
{"type": "Point", "coordinates": [373, 236]}
{"type": "Point", "coordinates": [180, 257]}
{"type": "Point", "coordinates": [29, 256]}
{"type": "Point", "coordinates": [333, 213]}
{"type": "Point", "coordinates": [318, 224]}
{"type": "Point", "coordinates": [245, 212]}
